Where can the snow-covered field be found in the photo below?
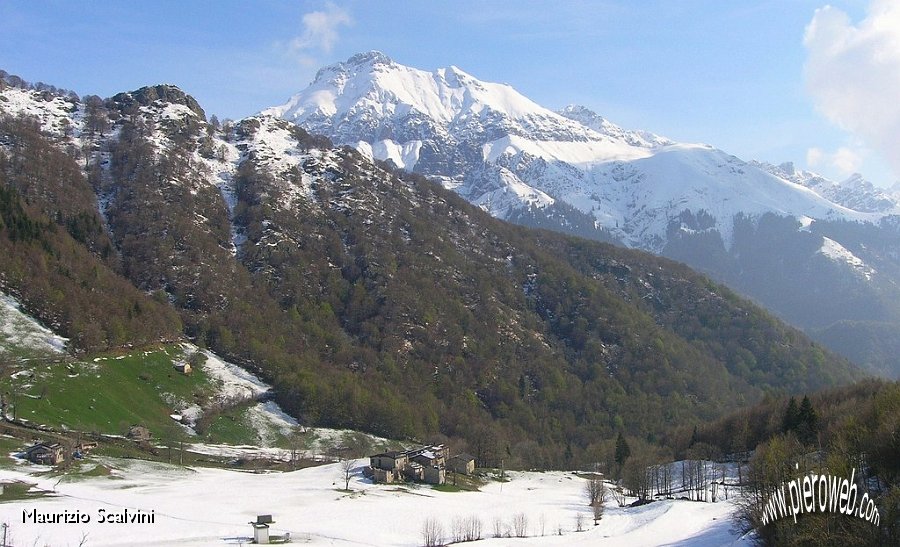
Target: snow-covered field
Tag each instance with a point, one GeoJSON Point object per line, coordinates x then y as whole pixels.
{"type": "Point", "coordinates": [214, 507]}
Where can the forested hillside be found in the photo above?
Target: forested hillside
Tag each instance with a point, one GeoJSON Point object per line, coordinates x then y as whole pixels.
{"type": "Point", "coordinates": [369, 297]}
{"type": "Point", "coordinates": [57, 257]}
{"type": "Point", "coordinates": [851, 430]}
{"type": "Point", "coordinates": [816, 253]}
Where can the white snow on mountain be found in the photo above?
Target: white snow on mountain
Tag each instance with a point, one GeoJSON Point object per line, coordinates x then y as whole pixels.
{"type": "Point", "coordinates": [854, 192]}
{"type": "Point", "coordinates": [509, 194]}
{"type": "Point", "coordinates": [373, 81]}
{"type": "Point", "coordinates": [837, 252]}
{"type": "Point", "coordinates": [403, 156]}
{"type": "Point", "coordinates": [648, 193]}
{"type": "Point", "coordinates": [449, 125]}
{"type": "Point", "coordinates": [591, 119]}
{"type": "Point", "coordinates": [370, 95]}
{"type": "Point", "coordinates": [55, 113]}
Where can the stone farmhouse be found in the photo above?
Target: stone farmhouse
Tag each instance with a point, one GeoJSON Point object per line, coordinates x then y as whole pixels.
{"type": "Point", "coordinates": [463, 463]}
{"type": "Point", "coordinates": [45, 453]}
{"type": "Point", "coordinates": [425, 464]}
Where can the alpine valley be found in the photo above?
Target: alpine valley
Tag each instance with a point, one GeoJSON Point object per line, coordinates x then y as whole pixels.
{"type": "Point", "coordinates": [824, 256]}
{"type": "Point", "coordinates": [373, 298]}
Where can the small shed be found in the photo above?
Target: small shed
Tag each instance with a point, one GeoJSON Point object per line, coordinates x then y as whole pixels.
{"type": "Point", "coordinates": [429, 455]}
{"type": "Point", "coordinates": [382, 476]}
{"type": "Point", "coordinates": [414, 472]}
{"type": "Point", "coordinates": [182, 367]}
{"type": "Point", "coordinates": [261, 529]}
{"type": "Point", "coordinates": [138, 433]}
{"type": "Point", "coordinates": [426, 458]}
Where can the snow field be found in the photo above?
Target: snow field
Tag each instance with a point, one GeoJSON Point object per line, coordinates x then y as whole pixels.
{"type": "Point", "coordinates": [213, 507]}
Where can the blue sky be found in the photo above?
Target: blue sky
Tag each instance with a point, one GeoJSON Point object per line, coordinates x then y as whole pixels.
{"type": "Point", "coordinates": [732, 74]}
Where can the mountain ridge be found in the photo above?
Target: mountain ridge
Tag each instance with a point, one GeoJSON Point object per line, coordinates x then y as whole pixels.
{"type": "Point", "coordinates": [308, 264]}
{"type": "Point", "coordinates": [565, 171]}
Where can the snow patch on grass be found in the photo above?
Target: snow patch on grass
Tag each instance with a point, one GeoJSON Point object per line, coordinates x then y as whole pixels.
{"type": "Point", "coordinates": [235, 383]}
{"type": "Point", "coordinates": [270, 421]}
{"type": "Point", "coordinates": [18, 329]}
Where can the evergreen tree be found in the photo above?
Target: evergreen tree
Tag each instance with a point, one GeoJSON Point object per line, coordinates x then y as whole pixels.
{"type": "Point", "coordinates": [622, 449]}
{"type": "Point", "coordinates": [807, 422]}
{"type": "Point", "coordinates": [791, 417]}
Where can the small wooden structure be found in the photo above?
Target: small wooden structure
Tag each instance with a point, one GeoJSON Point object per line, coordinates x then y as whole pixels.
{"type": "Point", "coordinates": [261, 535]}
{"type": "Point", "coordinates": [261, 529]}
{"type": "Point", "coordinates": [428, 457]}
{"type": "Point", "coordinates": [382, 475]}
{"type": "Point", "coordinates": [138, 433]}
{"type": "Point", "coordinates": [182, 367]}
{"type": "Point", "coordinates": [435, 474]}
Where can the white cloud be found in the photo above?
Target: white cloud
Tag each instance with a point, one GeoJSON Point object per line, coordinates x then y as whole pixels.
{"type": "Point", "coordinates": [815, 157]}
{"type": "Point", "coordinates": [843, 161]}
{"type": "Point", "coordinates": [853, 74]}
{"type": "Point", "coordinates": [846, 160]}
{"type": "Point", "coordinates": [320, 30]}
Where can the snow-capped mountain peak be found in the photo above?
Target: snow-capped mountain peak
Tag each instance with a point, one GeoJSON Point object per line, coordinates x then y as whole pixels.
{"type": "Point", "coordinates": [598, 123]}
{"type": "Point", "coordinates": [372, 84]}
{"type": "Point", "coordinates": [855, 192]}
{"type": "Point", "coordinates": [508, 154]}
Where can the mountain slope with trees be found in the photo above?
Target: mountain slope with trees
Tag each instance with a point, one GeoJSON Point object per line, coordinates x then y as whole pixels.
{"type": "Point", "coordinates": [57, 258]}
{"type": "Point", "coordinates": [818, 254]}
{"type": "Point", "coordinates": [375, 299]}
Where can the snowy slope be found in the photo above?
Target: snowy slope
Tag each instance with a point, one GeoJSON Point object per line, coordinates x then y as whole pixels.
{"type": "Point", "coordinates": [394, 109]}
{"type": "Point", "coordinates": [212, 507]}
{"type": "Point", "coordinates": [503, 152]}
{"type": "Point", "coordinates": [57, 115]}
{"type": "Point", "coordinates": [19, 331]}
{"type": "Point", "coordinates": [855, 192]}
{"type": "Point", "coordinates": [647, 193]}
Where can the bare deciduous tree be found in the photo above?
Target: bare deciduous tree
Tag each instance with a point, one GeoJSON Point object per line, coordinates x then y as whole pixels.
{"type": "Point", "coordinates": [457, 529]}
{"type": "Point", "coordinates": [596, 492]}
{"type": "Point", "coordinates": [520, 525]}
{"type": "Point", "coordinates": [432, 533]}
{"type": "Point", "coordinates": [598, 512]}
{"type": "Point", "coordinates": [637, 476]}
{"type": "Point", "coordinates": [473, 528]}
{"type": "Point", "coordinates": [618, 494]}
{"type": "Point", "coordinates": [498, 527]}
{"type": "Point", "coordinates": [347, 472]}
